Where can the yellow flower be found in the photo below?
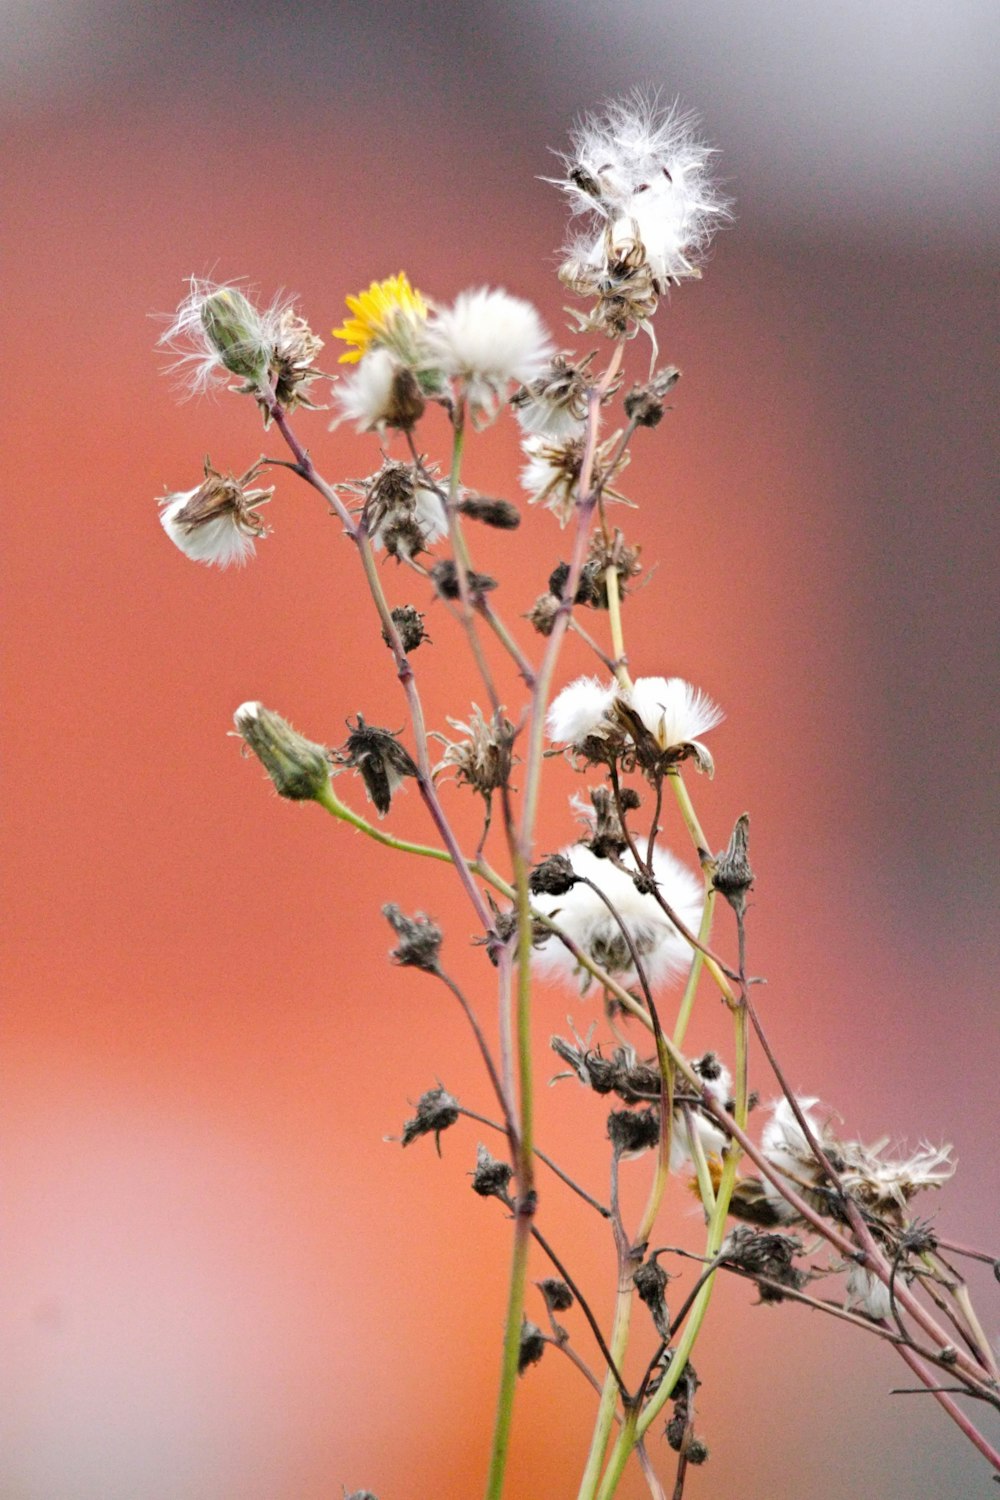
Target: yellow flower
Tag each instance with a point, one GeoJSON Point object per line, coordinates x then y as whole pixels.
{"type": "Point", "coordinates": [389, 314]}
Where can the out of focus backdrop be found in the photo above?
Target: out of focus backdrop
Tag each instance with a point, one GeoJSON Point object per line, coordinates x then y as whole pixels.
{"type": "Point", "coordinates": [221, 1281]}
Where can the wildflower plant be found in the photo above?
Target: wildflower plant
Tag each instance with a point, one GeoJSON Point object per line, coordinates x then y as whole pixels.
{"type": "Point", "coordinates": [618, 914]}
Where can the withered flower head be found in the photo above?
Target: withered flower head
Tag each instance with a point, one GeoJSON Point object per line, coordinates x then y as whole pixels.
{"type": "Point", "coordinates": [553, 876]}
{"type": "Point", "coordinates": [483, 759]}
{"type": "Point", "coordinates": [409, 623]}
{"type": "Point", "coordinates": [379, 759]}
{"type": "Point", "coordinates": [632, 1131]}
{"type": "Point", "coordinates": [733, 876]}
{"type": "Point", "coordinates": [552, 474]}
{"type": "Point", "coordinates": [650, 1282]}
{"type": "Point", "coordinates": [491, 1177]}
{"type": "Point", "coordinates": [636, 178]}
{"type": "Point", "coordinates": [543, 613]}
{"type": "Point", "coordinates": [622, 1074]}
{"type": "Point", "coordinates": [382, 392]}
{"type": "Point", "coordinates": [606, 837]}
{"type": "Point", "coordinates": [614, 553]}
{"type": "Point", "coordinates": [294, 346]}
{"type": "Point", "coordinates": [299, 768]}
{"type": "Point", "coordinates": [644, 403]}
{"type": "Point", "coordinates": [531, 1347]}
{"type": "Point", "coordinates": [217, 522]}
{"type": "Point", "coordinates": [444, 576]}
{"type": "Point", "coordinates": [558, 1297]}
{"type": "Point", "coordinates": [883, 1186]}
{"type": "Point", "coordinates": [554, 404]}
{"type": "Point", "coordinates": [419, 939]}
{"type": "Point", "coordinates": [500, 514]}
{"type": "Point", "coordinates": [769, 1255]}
{"type": "Point", "coordinates": [437, 1110]}
{"type": "Point", "coordinates": [400, 511]}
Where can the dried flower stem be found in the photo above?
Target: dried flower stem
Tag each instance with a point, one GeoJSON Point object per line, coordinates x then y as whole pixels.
{"type": "Point", "coordinates": [553, 1166]}
{"type": "Point", "coordinates": [521, 847]}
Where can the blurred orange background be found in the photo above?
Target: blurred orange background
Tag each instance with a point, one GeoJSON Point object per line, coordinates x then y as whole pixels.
{"type": "Point", "coordinates": [222, 1280]}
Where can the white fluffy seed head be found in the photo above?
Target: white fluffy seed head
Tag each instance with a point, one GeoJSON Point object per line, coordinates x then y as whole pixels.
{"type": "Point", "coordinates": [579, 710]}
{"type": "Point", "coordinates": [641, 171]}
{"type": "Point", "coordinates": [221, 541]}
{"type": "Point", "coordinates": [365, 397]}
{"type": "Point", "coordinates": [585, 918]}
{"type": "Point", "coordinates": [674, 712]}
{"type": "Point", "coordinates": [486, 340]}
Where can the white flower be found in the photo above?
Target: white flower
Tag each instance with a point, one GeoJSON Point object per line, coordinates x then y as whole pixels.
{"type": "Point", "coordinates": [639, 175]}
{"type": "Point", "coordinates": [380, 393]}
{"type": "Point", "coordinates": [486, 340]}
{"type": "Point", "coordinates": [216, 522]}
{"type": "Point", "coordinates": [867, 1294]}
{"type": "Point", "coordinates": [579, 710]}
{"type": "Point", "coordinates": [585, 918]}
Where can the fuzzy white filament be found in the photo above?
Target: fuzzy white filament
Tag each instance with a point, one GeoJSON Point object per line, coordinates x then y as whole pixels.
{"type": "Point", "coordinates": [638, 172]}
{"type": "Point", "coordinates": [222, 541]}
{"type": "Point", "coordinates": [674, 712]}
{"type": "Point", "coordinates": [486, 340]}
{"type": "Point", "coordinates": [579, 710]}
{"type": "Point", "coordinates": [585, 917]}
{"type": "Point", "coordinates": [366, 397]}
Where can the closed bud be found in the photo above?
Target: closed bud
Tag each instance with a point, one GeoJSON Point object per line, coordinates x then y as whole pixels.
{"type": "Point", "coordinates": [499, 513]}
{"type": "Point", "coordinates": [444, 576]}
{"type": "Point", "coordinates": [733, 876]}
{"type": "Point", "coordinates": [233, 327]}
{"type": "Point", "coordinates": [299, 768]}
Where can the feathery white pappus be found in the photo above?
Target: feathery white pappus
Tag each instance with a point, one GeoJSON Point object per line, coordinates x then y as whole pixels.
{"type": "Point", "coordinates": [638, 171]}
{"type": "Point", "coordinates": [673, 711]}
{"type": "Point", "coordinates": [486, 340]}
{"type": "Point", "coordinates": [585, 918]}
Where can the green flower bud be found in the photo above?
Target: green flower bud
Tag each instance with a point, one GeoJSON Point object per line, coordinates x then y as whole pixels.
{"type": "Point", "coordinates": [299, 769]}
{"type": "Point", "coordinates": [233, 327]}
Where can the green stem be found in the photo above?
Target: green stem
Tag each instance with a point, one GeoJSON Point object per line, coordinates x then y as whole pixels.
{"type": "Point", "coordinates": [511, 1350]}
{"type": "Point", "coordinates": [694, 973]}
{"type": "Point", "coordinates": [716, 1234]}
{"type": "Point", "coordinates": [329, 800]}
{"type": "Point", "coordinates": [615, 621]}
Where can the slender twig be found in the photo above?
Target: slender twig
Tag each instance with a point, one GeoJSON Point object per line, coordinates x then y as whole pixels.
{"type": "Point", "coordinates": [540, 1239]}
{"type": "Point", "coordinates": [510, 1126]}
{"type": "Point", "coordinates": [553, 1166]}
